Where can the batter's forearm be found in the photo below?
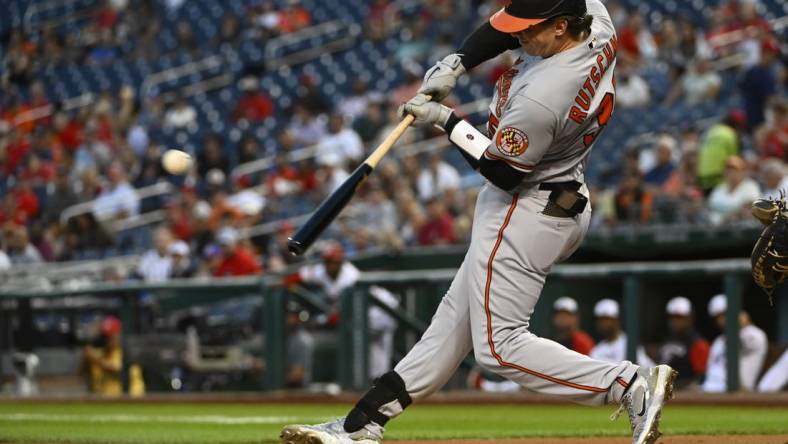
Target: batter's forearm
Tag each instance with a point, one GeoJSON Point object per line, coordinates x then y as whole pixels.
{"type": "Point", "coordinates": [472, 144]}
{"type": "Point", "coordinates": [484, 44]}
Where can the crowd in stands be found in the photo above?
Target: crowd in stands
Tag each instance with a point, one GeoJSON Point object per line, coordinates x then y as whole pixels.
{"type": "Point", "coordinates": [105, 152]}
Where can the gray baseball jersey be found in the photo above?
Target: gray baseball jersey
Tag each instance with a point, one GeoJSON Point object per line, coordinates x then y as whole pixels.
{"type": "Point", "coordinates": [544, 118]}
{"type": "Point", "coordinates": [546, 113]}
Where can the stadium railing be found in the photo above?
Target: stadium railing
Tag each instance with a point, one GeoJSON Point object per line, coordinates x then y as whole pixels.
{"type": "Point", "coordinates": [421, 290]}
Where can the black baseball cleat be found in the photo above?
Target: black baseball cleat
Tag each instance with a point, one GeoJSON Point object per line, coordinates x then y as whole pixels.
{"type": "Point", "coordinates": [644, 401]}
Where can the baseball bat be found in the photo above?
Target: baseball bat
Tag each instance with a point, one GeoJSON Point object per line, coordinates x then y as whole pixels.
{"type": "Point", "coordinates": [337, 200]}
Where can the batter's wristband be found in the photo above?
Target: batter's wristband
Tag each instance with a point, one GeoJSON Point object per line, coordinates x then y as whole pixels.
{"type": "Point", "coordinates": [466, 137]}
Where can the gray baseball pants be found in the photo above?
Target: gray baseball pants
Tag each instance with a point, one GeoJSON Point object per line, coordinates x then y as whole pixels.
{"type": "Point", "coordinates": [489, 305]}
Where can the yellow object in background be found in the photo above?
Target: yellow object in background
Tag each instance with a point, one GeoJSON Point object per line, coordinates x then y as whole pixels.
{"type": "Point", "coordinates": [136, 382]}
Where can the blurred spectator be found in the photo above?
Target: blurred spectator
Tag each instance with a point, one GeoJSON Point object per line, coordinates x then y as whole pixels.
{"type": "Point", "coordinates": [612, 346]}
{"type": "Point", "coordinates": [636, 41]}
{"type": "Point", "coordinates": [438, 228]}
{"type": "Point", "coordinates": [104, 363]}
{"type": "Point", "coordinates": [664, 167]}
{"type": "Point", "coordinates": [249, 149]}
{"type": "Point", "coordinates": [731, 199]}
{"type": "Point", "coordinates": [266, 18]}
{"type": "Point", "coordinates": [759, 83]}
{"type": "Point", "coordinates": [772, 136]}
{"type": "Point", "coordinates": [774, 178]}
{"type": "Point", "coordinates": [437, 178]}
{"type": "Point", "coordinates": [294, 17]}
{"type": "Point", "coordinates": [212, 156]}
{"type": "Point", "coordinates": [184, 34]}
{"type": "Point", "coordinates": [412, 218]}
{"type": "Point", "coordinates": [182, 264]}
{"type": "Point", "coordinates": [776, 378]}
{"type": "Point", "coordinates": [93, 152]}
{"type": "Point", "coordinates": [247, 201]}
{"type": "Point", "coordinates": [341, 141]}
{"type": "Point", "coordinates": [685, 350]}
{"type": "Point", "coordinates": [369, 124]}
{"type": "Point", "coordinates": [567, 326]}
{"type": "Point", "coordinates": [631, 90]}
{"type": "Point", "coordinates": [18, 246]}
{"type": "Point", "coordinates": [700, 83]}
{"type": "Point", "coordinates": [156, 264]}
{"type": "Point", "coordinates": [5, 261]}
{"type": "Point", "coordinates": [181, 114]}
{"type": "Point", "coordinates": [305, 127]}
{"type": "Point", "coordinates": [119, 200]}
{"type": "Point", "coordinates": [236, 259]}
{"type": "Point", "coordinates": [752, 351]}
{"type": "Point", "coordinates": [253, 106]}
{"type": "Point", "coordinates": [633, 202]}
{"type": "Point", "coordinates": [720, 142]}
{"type": "Point", "coordinates": [359, 101]}
{"type": "Point", "coordinates": [415, 45]}
{"type": "Point", "coordinates": [310, 96]}
{"type": "Point", "coordinates": [375, 210]}
{"type": "Point", "coordinates": [331, 174]}
{"type": "Point", "coordinates": [230, 31]}
{"type": "Point", "coordinates": [27, 202]}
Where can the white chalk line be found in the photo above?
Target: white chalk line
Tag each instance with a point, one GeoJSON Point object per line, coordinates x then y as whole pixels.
{"type": "Point", "coordinates": [198, 419]}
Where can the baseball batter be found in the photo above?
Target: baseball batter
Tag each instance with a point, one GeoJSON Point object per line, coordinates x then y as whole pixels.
{"type": "Point", "coordinates": [546, 113]}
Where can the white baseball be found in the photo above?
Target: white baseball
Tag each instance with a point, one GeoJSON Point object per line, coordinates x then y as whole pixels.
{"type": "Point", "coordinates": [176, 162]}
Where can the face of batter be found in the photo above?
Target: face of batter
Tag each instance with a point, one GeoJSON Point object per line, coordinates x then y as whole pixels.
{"type": "Point", "coordinates": [546, 39]}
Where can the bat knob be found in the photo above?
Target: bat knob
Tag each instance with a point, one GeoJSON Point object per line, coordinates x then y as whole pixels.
{"type": "Point", "coordinates": [296, 248]}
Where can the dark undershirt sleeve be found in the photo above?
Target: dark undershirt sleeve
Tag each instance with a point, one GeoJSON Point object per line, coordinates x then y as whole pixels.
{"type": "Point", "coordinates": [484, 44]}
{"type": "Point", "coordinates": [499, 173]}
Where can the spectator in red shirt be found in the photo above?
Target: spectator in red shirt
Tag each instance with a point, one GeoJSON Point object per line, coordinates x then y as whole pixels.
{"type": "Point", "coordinates": [253, 105]}
{"type": "Point", "coordinates": [236, 259]}
{"type": "Point", "coordinates": [294, 18]}
{"type": "Point", "coordinates": [9, 212]}
{"type": "Point", "coordinates": [39, 171]}
{"type": "Point", "coordinates": [567, 326]}
{"type": "Point", "coordinates": [439, 227]}
{"type": "Point", "coordinates": [68, 132]}
{"type": "Point", "coordinates": [16, 150]}
{"type": "Point", "coordinates": [26, 199]}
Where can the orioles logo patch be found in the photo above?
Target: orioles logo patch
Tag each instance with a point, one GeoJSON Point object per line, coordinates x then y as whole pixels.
{"type": "Point", "coordinates": [511, 141]}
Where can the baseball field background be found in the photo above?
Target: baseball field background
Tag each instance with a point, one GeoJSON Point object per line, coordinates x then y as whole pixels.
{"type": "Point", "coordinates": [122, 422]}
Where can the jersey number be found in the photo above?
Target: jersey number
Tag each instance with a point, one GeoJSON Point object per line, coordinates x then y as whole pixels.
{"type": "Point", "coordinates": [602, 117]}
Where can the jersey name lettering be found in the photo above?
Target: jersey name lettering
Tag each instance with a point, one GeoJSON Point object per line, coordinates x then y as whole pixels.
{"type": "Point", "coordinates": [579, 112]}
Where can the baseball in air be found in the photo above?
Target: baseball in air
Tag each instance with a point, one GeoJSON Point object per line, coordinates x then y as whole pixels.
{"type": "Point", "coordinates": [176, 161]}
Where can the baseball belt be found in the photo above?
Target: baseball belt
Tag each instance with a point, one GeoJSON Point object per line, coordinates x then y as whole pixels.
{"type": "Point", "coordinates": [565, 200]}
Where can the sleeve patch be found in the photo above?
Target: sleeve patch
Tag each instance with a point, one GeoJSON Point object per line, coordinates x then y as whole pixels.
{"type": "Point", "coordinates": [511, 141]}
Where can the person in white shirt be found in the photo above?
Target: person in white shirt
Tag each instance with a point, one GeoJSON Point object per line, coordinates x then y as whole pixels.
{"type": "Point", "coordinates": [731, 199]}
{"type": "Point", "coordinates": [119, 199]}
{"type": "Point", "coordinates": [612, 345]}
{"type": "Point", "coordinates": [437, 178]}
{"type": "Point", "coordinates": [776, 377]}
{"type": "Point", "coordinates": [156, 264]}
{"type": "Point", "coordinates": [341, 141]}
{"type": "Point", "coordinates": [631, 90]}
{"type": "Point", "coordinates": [774, 178]}
{"type": "Point", "coordinates": [181, 115]}
{"type": "Point", "coordinates": [753, 347]}
{"type": "Point", "coordinates": [334, 275]}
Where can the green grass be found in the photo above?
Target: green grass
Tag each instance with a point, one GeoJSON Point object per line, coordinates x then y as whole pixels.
{"type": "Point", "coordinates": [201, 423]}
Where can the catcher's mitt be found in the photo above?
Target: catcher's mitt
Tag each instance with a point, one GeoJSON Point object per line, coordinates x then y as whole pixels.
{"type": "Point", "coordinates": [770, 256]}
